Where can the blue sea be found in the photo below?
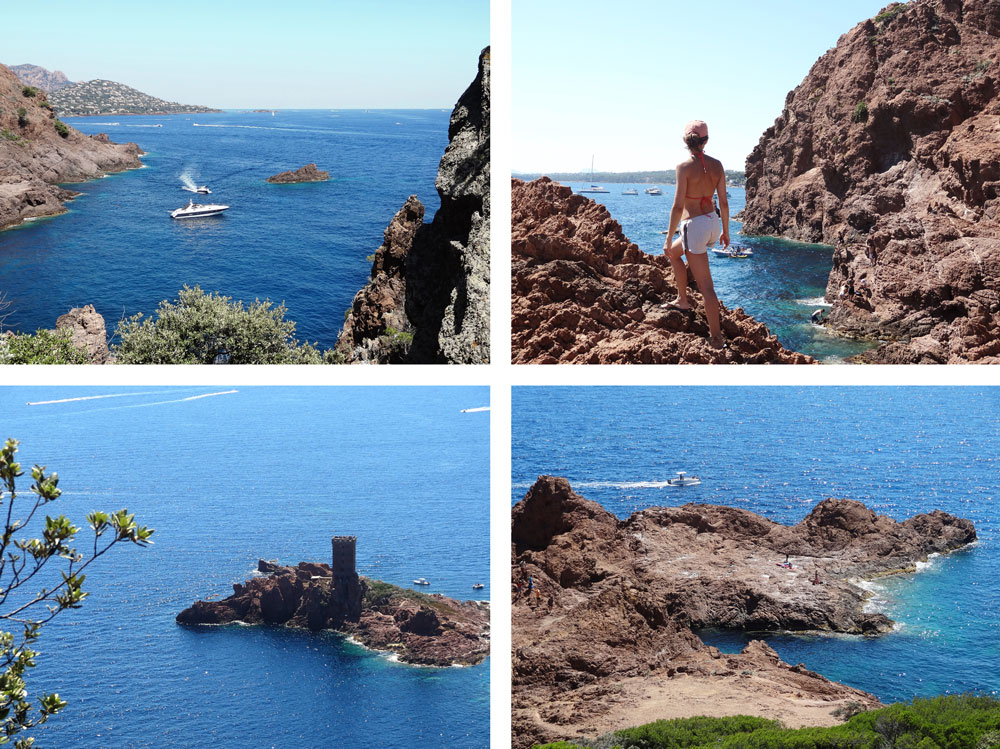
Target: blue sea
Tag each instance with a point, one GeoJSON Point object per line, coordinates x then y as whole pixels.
{"type": "Point", "coordinates": [780, 451]}
{"type": "Point", "coordinates": [226, 480]}
{"type": "Point", "coordinates": [305, 245]}
{"type": "Point", "coordinates": [781, 285]}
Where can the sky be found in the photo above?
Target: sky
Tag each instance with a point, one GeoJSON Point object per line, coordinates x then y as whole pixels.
{"type": "Point", "coordinates": [619, 81]}
{"type": "Point", "coordinates": [249, 53]}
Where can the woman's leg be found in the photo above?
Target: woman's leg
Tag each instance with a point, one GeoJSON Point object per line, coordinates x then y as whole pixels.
{"type": "Point", "coordinates": [676, 255]}
{"type": "Point", "coordinates": [703, 277]}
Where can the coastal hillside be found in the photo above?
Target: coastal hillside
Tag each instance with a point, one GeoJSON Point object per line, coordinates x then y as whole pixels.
{"type": "Point", "coordinates": [604, 636]}
{"type": "Point", "coordinates": [100, 97]}
{"type": "Point", "coordinates": [582, 293]}
{"type": "Point", "coordinates": [38, 151]}
{"type": "Point", "coordinates": [888, 151]}
{"type": "Point", "coordinates": [47, 80]}
{"type": "Point", "coordinates": [428, 297]}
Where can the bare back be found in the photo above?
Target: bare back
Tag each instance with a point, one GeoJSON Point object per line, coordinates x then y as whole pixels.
{"type": "Point", "coordinates": [696, 187]}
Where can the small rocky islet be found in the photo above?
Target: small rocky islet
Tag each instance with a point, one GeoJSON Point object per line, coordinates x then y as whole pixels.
{"type": "Point", "coordinates": [605, 638]}
{"type": "Point", "coordinates": [418, 628]}
{"type": "Point", "coordinates": [307, 173]}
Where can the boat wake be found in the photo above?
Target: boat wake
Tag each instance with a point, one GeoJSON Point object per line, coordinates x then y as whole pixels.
{"type": "Point", "coordinates": [475, 410]}
{"type": "Point", "coordinates": [99, 397]}
{"type": "Point", "coordinates": [608, 485]}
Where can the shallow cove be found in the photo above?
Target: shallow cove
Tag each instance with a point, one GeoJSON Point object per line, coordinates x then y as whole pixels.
{"type": "Point", "coordinates": [305, 244]}
{"type": "Point", "coordinates": [778, 452]}
{"type": "Point", "coordinates": [780, 285]}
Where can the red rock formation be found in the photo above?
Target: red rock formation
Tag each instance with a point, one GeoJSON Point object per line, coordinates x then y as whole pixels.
{"type": "Point", "coordinates": [582, 293]}
{"type": "Point", "coordinates": [888, 151]}
{"type": "Point", "coordinates": [429, 630]}
{"type": "Point", "coordinates": [34, 157]}
{"type": "Point", "coordinates": [87, 332]}
{"type": "Point", "coordinates": [307, 173]}
{"type": "Point", "coordinates": [608, 642]}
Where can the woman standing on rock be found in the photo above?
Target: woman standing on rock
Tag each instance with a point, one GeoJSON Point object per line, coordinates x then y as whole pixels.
{"type": "Point", "coordinates": [699, 179]}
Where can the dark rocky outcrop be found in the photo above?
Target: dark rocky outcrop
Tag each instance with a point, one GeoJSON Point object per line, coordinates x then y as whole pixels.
{"type": "Point", "coordinates": [609, 641]}
{"type": "Point", "coordinates": [35, 75]}
{"type": "Point", "coordinates": [34, 157]}
{"type": "Point", "coordinates": [307, 173]}
{"type": "Point", "coordinates": [429, 630]}
{"type": "Point", "coordinates": [888, 151]}
{"type": "Point", "coordinates": [87, 332]}
{"type": "Point", "coordinates": [582, 293]}
{"type": "Point", "coordinates": [428, 300]}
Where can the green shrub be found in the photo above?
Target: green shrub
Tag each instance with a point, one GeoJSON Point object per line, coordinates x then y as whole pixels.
{"type": "Point", "coordinates": [41, 347]}
{"type": "Point", "coordinates": [200, 328]}
{"type": "Point", "coordinates": [44, 105]}
{"type": "Point", "coordinates": [29, 91]}
{"type": "Point", "coordinates": [885, 17]}
{"type": "Point", "coordinates": [22, 116]}
{"type": "Point", "coordinates": [12, 137]}
{"type": "Point", "coordinates": [860, 112]}
{"type": "Point", "coordinates": [61, 128]}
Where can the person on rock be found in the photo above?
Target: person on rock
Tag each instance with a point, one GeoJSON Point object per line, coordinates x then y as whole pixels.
{"type": "Point", "coordinates": [699, 179]}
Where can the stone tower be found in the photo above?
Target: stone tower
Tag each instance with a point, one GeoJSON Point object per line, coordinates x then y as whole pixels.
{"type": "Point", "coordinates": [343, 557]}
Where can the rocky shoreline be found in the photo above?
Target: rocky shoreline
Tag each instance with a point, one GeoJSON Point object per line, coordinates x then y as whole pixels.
{"type": "Point", "coordinates": [887, 151]}
{"type": "Point", "coordinates": [428, 298]}
{"type": "Point", "coordinates": [417, 628]}
{"type": "Point", "coordinates": [582, 293]}
{"type": "Point", "coordinates": [38, 153]}
{"type": "Point", "coordinates": [609, 640]}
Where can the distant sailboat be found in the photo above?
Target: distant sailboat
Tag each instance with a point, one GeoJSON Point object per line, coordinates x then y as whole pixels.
{"type": "Point", "coordinates": [593, 187]}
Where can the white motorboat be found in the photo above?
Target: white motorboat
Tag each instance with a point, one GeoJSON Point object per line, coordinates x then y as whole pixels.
{"type": "Point", "coordinates": [197, 210]}
{"type": "Point", "coordinates": [203, 190]}
{"type": "Point", "coordinates": [421, 581]}
{"type": "Point", "coordinates": [632, 191]}
{"type": "Point", "coordinates": [683, 479]}
{"type": "Point", "coordinates": [734, 250]}
{"type": "Point", "coordinates": [478, 586]}
{"type": "Point", "coordinates": [653, 191]}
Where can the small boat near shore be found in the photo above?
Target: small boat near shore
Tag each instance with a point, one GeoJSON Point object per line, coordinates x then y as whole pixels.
{"type": "Point", "coordinates": [653, 191]}
{"type": "Point", "coordinates": [682, 479]}
{"type": "Point", "coordinates": [631, 191]}
{"type": "Point", "coordinates": [197, 210]}
{"type": "Point", "coordinates": [478, 586]}
{"type": "Point", "coordinates": [203, 190]}
{"type": "Point", "coordinates": [734, 250]}
{"type": "Point", "coordinates": [421, 581]}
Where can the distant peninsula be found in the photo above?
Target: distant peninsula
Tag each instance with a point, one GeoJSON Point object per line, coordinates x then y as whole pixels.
{"type": "Point", "coordinates": [662, 177]}
{"type": "Point", "coordinates": [100, 97]}
{"type": "Point", "coordinates": [417, 628]}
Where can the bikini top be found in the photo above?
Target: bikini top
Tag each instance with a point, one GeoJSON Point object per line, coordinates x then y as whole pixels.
{"type": "Point", "coordinates": [706, 204]}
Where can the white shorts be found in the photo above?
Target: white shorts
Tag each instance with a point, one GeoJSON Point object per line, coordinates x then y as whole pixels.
{"type": "Point", "coordinates": [700, 233]}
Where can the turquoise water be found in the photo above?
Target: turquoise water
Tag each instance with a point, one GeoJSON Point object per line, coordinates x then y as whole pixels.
{"type": "Point", "coordinates": [778, 452]}
{"type": "Point", "coordinates": [781, 285]}
{"type": "Point", "coordinates": [225, 480]}
{"type": "Point", "coordinates": [306, 245]}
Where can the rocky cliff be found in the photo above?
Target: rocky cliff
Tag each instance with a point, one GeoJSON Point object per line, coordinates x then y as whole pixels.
{"type": "Point", "coordinates": [37, 151]}
{"type": "Point", "coordinates": [429, 630]}
{"type": "Point", "coordinates": [888, 151]}
{"type": "Point", "coordinates": [582, 293]}
{"type": "Point", "coordinates": [35, 75]}
{"type": "Point", "coordinates": [428, 300]}
{"type": "Point", "coordinates": [608, 642]}
{"type": "Point", "coordinates": [101, 97]}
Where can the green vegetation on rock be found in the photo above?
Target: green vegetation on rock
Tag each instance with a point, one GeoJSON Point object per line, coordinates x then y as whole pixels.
{"type": "Point", "coordinates": [22, 116]}
{"type": "Point", "coordinates": [41, 347]}
{"type": "Point", "coordinates": [208, 328]}
{"type": "Point", "coordinates": [61, 128]}
{"type": "Point", "coordinates": [29, 92]}
{"type": "Point", "coordinates": [860, 112]}
{"type": "Point", "coordinates": [948, 722]}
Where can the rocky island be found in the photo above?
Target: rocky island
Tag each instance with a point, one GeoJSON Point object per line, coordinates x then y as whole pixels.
{"type": "Point", "coordinates": [428, 298]}
{"type": "Point", "coordinates": [888, 151]}
{"type": "Point", "coordinates": [307, 173]}
{"type": "Point", "coordinates": [610, 642]}
{"type": "Point", "coordinates": [422, 629]}
{"type": "Point", "coordinates": [582, 293]}
{"type": "Point", "coordinates": [38, 152]}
